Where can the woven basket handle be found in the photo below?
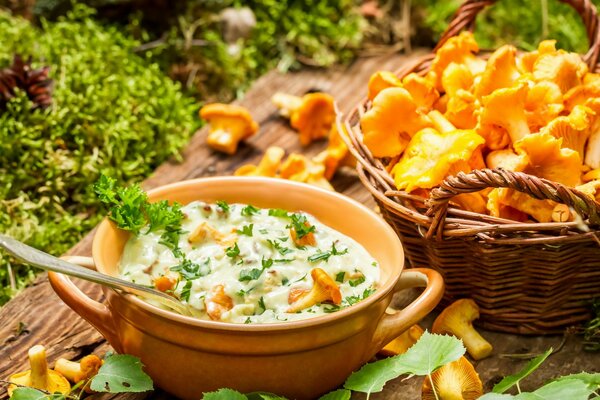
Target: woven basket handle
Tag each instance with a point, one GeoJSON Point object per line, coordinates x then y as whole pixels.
{"type": "Point", "coordinates": [476, 180]}
{"type": "Point", "coordinates": [465, 19]}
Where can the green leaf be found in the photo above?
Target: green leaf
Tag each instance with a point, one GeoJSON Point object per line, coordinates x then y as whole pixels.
{"type": "Point", "coordinates": [340, 394]}
{"type": "Point", "coordinates": [592, 380]}
{"type": "Point", "coordinates": [223, 205]}
{"type": "Point", "coordinates": [428, 354]}
{"type": "Point", "coordinates": [570, 389]}
{"type": "Point", "coordinates": [247, 275]}
{"type": "Point", "coordinates": [246, 230]}
{"type": "Point", "coordinates": [496, 396]}
{"type": "Point", "coordinates": [264, 396]}
{"type": "Point", "coordinates": [249, 210]}
{"type": "Point", "coordinates": [373, 376]}
{"type": "Point", "coordinates": [224, 394]}
{"type": "Point", "coordinates": [121, 373]}
{"type": "Point", "coordinates": [511, 380]}
{"type": "Point", "coordinates": [28, 394]}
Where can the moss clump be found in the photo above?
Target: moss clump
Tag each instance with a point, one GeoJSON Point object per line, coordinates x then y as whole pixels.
{"type": "Point", "coordinates": [113, 112]}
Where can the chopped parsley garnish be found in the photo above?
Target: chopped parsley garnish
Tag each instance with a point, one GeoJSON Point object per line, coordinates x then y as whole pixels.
{"type": "Point", "coordinates": [246, 230]}
{"type": "Point", "coordinates": [268, 263]}
{"type": "Point", "coordinates": [301, 279]}
{"type": "Point", "coordinates": [278, 212]}
{"type": "Point", "coordinates": [233, 251]}
{"type": "Point", "coordinates": [185, 292]}
{"type": "Point", "coordinates": [190, 270]}
{"type": "Point", "coordinates": [261, 304]}
{"type": "Point", "coordinates": [263, 231]}
{"type": "Point", "coordinates": [331, 308]}
{"type": "Point", "coordinates": [249, 210]}
{"type": "Point", "coordinates": [223, 205]}
{"type": "Point", "coordinates": [243, 293]}
{"type": "Point", "coordinates": [374, 263]}
{"type": "Point", "coordinates": [248, 320]}
{"type": "Point", "coordinates": [351, 300]}
{"type": "Point", "coordinates": [325, 255]}
{"type": "Point", "coordinates": [161, 215]}
{"type": "Point", "coordinates": [247, 275]}
{"type": "Point", "coordinates": [284, 260]}
{"type": "Point", "coordinates": [339, 277]}
{"type": "Point", "coordinates": [358, 281]}
{"type": "Point", "coordinates": [301, 225]}
{"type": "Point", "coordinates": [280, 248]}
{"type": "Point", "coordinates": [285, 281]}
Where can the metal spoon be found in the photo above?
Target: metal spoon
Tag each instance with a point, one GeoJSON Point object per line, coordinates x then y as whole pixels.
{"type": "Point", "coordinates": [48, 262]}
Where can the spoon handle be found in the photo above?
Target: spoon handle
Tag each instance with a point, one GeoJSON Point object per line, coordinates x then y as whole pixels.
{"type": "Point", "coordinates": [48, 262]}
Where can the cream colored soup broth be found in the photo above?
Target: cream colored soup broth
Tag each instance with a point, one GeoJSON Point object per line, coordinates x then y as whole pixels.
{"type": "Point", "coordinates": [242, 264]}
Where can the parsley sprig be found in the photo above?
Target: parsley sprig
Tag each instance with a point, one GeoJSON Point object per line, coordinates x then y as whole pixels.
{"type": "Point", "coordinates": [325, 255]}
{"type": "Point", "coordinates": [300, 225]}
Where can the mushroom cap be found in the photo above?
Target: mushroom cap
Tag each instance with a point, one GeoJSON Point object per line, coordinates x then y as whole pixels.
{"type": "Point", "coordinates": [457, 319]}
{"type": "Point", "coordinates": [422, 91]}
{"type": "Point", "coordinates": [39, 376]}
{"type": "Point", "coordinates": [314, 118]}
{"type": "Point", "coordinates": [385, 134]}
{"type": "Point", "coordinates": [544, 103]}
{"type": "Point", "coordinates": [229, 114]}
{"type": "Point", "coordinates": [56, 382]}
{"type": "Point", "coordinates": [564, 69]}
{"type": "Point", "coordinates": [456, 77]}
{"type": "Point", "coordinates": [300, 169]}
{"type": "Point", "coordinates": [334, 155]}
{"type": "Point", "coordinates": [506, 159]}
{"type": "Point", "coordinates": [382, 80]}
{"type": "Point", "coordinates": [579, 95]}
{"type": "Point", "coordinates": [462, 109]}
{"type": "Point", "coordinates": [458, 49]}
{"type": "Point", "coordinates": [324, 289]}
{"type": "Point", "coordinates": [430, 156]}
{"type": "Point", "coordinates": [268, 165]}
{"type": "Point", "coordinates": [500, 71]}
{"type": "Point", "coordinates": [498, 209]}
{"type": "Point", "coordinates": [89, 366]}
{"type": "Point", "coordinates": [504, 108]}
{"type": "Point", "coordinates": [457, 380]}
{"type": "Point", "coordinates": [217, 302]}
{"type": "Point", "coordinates": [402, 343]}
{"type": "Point", "coordinates": [574, 129]}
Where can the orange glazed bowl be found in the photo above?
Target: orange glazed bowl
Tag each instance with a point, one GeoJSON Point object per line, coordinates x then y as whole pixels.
{"type": "Point", "coordinates": [297, 359]}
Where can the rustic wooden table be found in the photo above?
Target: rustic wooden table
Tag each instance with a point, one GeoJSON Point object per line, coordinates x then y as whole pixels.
{"type": "Point", "coordinates": [37, 316]}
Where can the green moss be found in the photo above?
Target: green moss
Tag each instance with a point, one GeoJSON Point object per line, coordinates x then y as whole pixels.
{"type": "Point", "coordinates": [113, 112]}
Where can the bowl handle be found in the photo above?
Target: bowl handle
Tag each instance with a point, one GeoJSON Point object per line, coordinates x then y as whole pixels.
{"type": "Point", "coordinates": [392, 325]}
{"type": "Point", "coordinates": [97, 314]}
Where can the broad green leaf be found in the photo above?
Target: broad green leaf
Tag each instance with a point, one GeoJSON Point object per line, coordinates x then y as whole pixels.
{"type": "Point", "coordinates": [570, 389]}
{"type": "Point", "coordinates": [511, 380]}
{"type": "Point", "coordinates": [264, 396]}
{"type": "Point", "coordinates": [428, 354]}
{"type": "Point", "coordinates": [224, 394]}
{"type": "Point", "coordinates": [593, 380]}
{"type": "Point", "coordinates": [28, 394]}
{"type": "Point", "coordinates": [340, 394]}
{"type": "Point", "coordinates": [496, 396]}
{"type": "Point", "coordinates": [373, 376]}
{"type": "Point", "coordinates": [121, 373]}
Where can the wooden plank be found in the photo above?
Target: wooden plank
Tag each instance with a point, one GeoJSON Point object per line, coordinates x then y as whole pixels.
{"type": "Point", "coordinates": [48, 321]}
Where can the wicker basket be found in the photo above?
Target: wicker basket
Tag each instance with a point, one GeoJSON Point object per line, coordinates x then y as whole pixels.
{"type": "Point", "coordinates": [528, 278]}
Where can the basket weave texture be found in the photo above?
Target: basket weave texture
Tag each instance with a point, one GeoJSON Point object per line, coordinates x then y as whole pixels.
{"type": "Point", "coordinates": [527, 278]}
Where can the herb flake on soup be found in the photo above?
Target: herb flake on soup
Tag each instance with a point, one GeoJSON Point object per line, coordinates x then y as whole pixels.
{"type": "Point", "coordinates": [242, 264]}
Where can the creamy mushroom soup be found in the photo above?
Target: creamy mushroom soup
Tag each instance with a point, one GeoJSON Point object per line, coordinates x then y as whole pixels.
{"type": "Point", "coordinates": [238, 263]}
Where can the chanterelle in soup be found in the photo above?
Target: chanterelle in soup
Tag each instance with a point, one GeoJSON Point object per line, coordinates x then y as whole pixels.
{"type": "Point", "coordinates": [242, 264]}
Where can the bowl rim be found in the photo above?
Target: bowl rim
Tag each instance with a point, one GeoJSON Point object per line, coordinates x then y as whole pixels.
{"type": "Point", "coordinates": [325, 319]}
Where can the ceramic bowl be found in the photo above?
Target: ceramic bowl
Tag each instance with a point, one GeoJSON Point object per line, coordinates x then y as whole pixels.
{"type": "Point", "coordinates": [297, 359]}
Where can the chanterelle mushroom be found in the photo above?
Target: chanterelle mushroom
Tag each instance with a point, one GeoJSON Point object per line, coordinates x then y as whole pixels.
{"type": "Point", "coordinates": [385, 134]}
{"type": "Point", "coordinates": [324, 289]}
{"type": "Point", "coordinates": [39, 376]}
{"type": "Point", "coordinates": [574, 129]}
{"type": "Point", "coordinates": [402, 343]}
{"type": "Point", "coordinates": [75, 372]}
{"type": "Point", "coordinates": [229, 124]}
{"type": "Point", "coordinates": [312, 115]}
{"type": "Point", "coordinates": [217, 302]}
{"type": "Point", "coordinates": [457, 319]}
{"type": "Point", "coordinates": [382, 80]}
{"type": "Point", "coordinates": [267, 166]}
{"type": "Point", "coordinates": [457, 380]}
{"type": "Point", "coordinates": [335, 155]}
{"type": "Point", "coordinates": [500, 71]}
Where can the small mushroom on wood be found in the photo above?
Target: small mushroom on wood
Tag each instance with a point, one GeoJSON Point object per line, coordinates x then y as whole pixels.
{"type": "Point", "coordinates": [402, 343]}
{"type": "Point", "coordinates": [267, 166]}
{"type": "Point", "coordinates": [312, 115]}
{"type": "Point", "coordinates": [39, 376]}
{"type": "Point", "coordinates": [457, 380]}
{"type": "Point", "coordinates": [324, 290]}
{"type": "Point", "coordinates": [457, 319]}
{"type": "Point", "coordinates": [229, 124]}
{"type": "Point", "coordinates": [83, 370]}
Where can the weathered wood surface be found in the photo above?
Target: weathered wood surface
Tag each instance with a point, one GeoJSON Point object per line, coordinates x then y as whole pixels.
{"type": "Point", "coordinates": [44, 319]}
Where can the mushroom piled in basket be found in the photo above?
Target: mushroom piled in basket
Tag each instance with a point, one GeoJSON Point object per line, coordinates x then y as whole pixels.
{"type": "Point", "coordinates": [536, 112]}
{"type": "Point", "coordinates": [487, 165]}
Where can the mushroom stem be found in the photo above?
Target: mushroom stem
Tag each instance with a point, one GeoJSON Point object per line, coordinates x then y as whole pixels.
{"type": "Point", "coordinates": [286, 103]}
{"type": "Point", "coordinates": [440, 123]}
{"type": "Point", "coordinates": [69, 369]}
{"type": "Point", "coordinates": [39, 367]}
{"type": "Point", "coordinates": [79, 371]}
